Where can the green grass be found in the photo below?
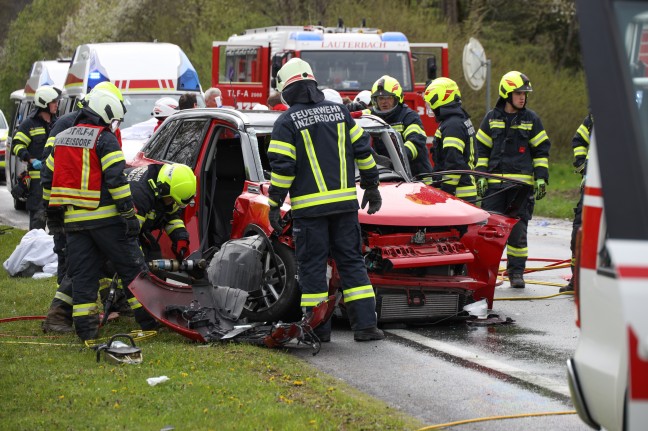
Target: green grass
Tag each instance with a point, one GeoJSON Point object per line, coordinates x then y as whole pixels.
{"type": "Point", "coordinates": [54, 383]}
{"type": "Point", "coordinates": [562, 192]}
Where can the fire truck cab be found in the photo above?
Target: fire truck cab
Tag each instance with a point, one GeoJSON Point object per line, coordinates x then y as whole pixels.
{"type": "Point", "coordinates": [345, 59]}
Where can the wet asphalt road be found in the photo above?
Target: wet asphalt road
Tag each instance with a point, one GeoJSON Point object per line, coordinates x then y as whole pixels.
{"type": "Point", "coordinates": [450, 372]}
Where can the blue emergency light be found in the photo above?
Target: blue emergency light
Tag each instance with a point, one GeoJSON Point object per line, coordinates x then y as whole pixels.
{"type": "Point", "coordinates": [393, 36]}
{"type": "Point", "coordinates": [94, 78]}
{"type": "Point", "coordinates": [306, 36]}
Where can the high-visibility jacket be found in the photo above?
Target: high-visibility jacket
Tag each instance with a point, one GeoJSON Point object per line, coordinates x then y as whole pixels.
{"type": "Point", "coordinates": [581, 140]}
{"type": "Point", "coordinates": [29, 141]}
{"type": "Point", "coordinates": [408, 123]}
{"type": "Point", "coordinates": [312, 153]}
{"type": "Point", "coordinates": [149, 206]}
{"type": "Point", "coordinates": [84, 173]}
{"type": "Point", "coordinates": [513, 145]}
{"type": "Point", "coordinates": [454, 149]}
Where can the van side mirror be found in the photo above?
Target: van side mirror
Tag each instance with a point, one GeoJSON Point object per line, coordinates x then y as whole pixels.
{"type": "Point", "coordinates": [431, 67]}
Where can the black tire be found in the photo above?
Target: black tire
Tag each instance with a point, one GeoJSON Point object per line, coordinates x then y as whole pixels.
{"type": "Point", "coordinates": [280, 303]}
{"type": "Point", "coordinates": [19, 205]}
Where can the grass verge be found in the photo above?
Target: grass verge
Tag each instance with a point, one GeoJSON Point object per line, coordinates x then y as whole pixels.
{"type": "Point", "coordinates": [53, 383]}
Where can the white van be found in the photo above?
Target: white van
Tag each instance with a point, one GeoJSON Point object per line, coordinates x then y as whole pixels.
{"type": "Point", "coordinates": [143, 71]}
{"type": "Point", "coordinates": [49, 72]}
{"type": "Point", "coordinates": [608, 373]}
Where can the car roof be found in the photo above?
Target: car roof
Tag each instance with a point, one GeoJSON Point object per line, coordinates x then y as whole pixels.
{"type": "Point", "coordinates": [263, 120]}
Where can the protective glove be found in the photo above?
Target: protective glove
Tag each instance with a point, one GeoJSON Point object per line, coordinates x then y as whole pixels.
{"type": "Point", "coordinates": [36, 164]}
{"type": "Point", "coordinates": [482, 186]}
{"type": "Point", "coordinates": [580, 169]}
{"type": "Point", "coordinates": [55, 220]}
{"type": "Point", "coordinates": [275, 219]}
{"type": "Point", "coordinates": [540, 188]}
{"type": "Point", "coordinates": [132, 227]}
{"type": "Point", "coordinates": [180, 248]}
{"type": "Point", "coordinates": [373, 198]}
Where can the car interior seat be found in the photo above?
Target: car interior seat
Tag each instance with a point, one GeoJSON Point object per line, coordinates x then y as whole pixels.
{"type": "Point", "coordinates": [230, 178]}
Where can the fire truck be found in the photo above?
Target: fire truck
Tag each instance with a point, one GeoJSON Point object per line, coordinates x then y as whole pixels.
{"type": "Point", "coordinates": [345, 59]}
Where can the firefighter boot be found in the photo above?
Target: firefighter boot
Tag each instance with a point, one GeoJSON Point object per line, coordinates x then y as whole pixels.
{"type": "Point", "coordinates": [323, 330]}
{"type": "Point", "coordinates": [58, 320]}
{"type": "Point", "coordinates": [87, 327]}
{"type": "Point", "coordinates": [362, 315]}
{"type": "Point", "coordinates": [516, 280]}
{"type": "Point", "coordinates": [569, 287]}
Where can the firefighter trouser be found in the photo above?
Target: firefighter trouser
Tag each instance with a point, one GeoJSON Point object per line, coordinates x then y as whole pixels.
{"type": "Point", "coordinates": [86, 251]}
{"type": "Point", "coordinates": [578, 220]}
{"type": "Point", "coordinates": [499, 201]}
{"type": "Point", "coordinates": [34, 205]}
{"type": "Point", "coordinates": [340, 234]}
{"type": "Point", "coordinates": [59, 249]}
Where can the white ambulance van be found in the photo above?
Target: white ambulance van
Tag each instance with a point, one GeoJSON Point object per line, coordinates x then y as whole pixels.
{"type": "Point", "coordinates": [608, 373]}
{"type": "Point", "coordinates": [49, 72]}
{"type": "Point", "coordinates": [143, 71]}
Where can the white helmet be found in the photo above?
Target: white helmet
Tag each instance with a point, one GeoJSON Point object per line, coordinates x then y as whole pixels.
{"type": "Point", "coordinates": [45, 94]}
{"type": "Point", "coordinates": [164, 107]}
{"type": "Point", "coordinates": [294, 70]}
{"type": "Point", "coordinates": [107, 105]}
{"type": "Point", "coordinates": [363, 97]}
{"type": "Point", "coordinates": [332, 96]}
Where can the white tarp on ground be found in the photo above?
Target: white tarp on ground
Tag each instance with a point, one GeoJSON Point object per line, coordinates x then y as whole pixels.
{"type": "Point", "coordinates": [33, 256]}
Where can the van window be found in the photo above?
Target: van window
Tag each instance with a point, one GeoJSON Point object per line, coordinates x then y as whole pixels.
{"type": "Point", "coordinates": [185, 144]}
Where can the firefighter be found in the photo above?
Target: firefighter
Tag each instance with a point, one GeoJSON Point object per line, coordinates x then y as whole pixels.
{"type": "Point", "coordinates": [163, 108]}
{"type": "Point", "coordinates": [159, 193]}
{"type": "Point", "coordinates": [453, 146]}
{"type": "Point", "coordinates": [28, 144]}
{"type": "Point", "coordinates": [512, 143]}
{"type": "Point", "coordinates": [55, 214]}
{"type": "Point", "coordinates": [387, 103]}
{"type": "Point", "coordinates": [580, 147]}
{"type": "Point", "coordinates": [99, 220]}
{"type": "Point", "coordinates": [314, 147]}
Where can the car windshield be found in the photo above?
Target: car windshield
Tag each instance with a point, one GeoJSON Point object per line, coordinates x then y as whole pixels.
{"type": "Point", "coordinates": [358, 70]}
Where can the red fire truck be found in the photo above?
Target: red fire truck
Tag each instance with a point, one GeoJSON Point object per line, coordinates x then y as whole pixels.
{"type": "Point", "coordinates": [348, 60]}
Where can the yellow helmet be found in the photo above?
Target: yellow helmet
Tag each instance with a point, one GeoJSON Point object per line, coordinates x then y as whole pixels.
{"type": "Point", "coordinates": [440, 92]}
{"type": "Point", "coordinates": [178, 182]}
{"type": "Point", "coordinates": [106, 104]}
{"type": "Point", "coordinates": [110, 87]}
{"type": "Point", "coordinates": [294, 70]}
{"type": "Point", "coordinates": [514, 81]}
{"type": "Point", "coordinates": [387, 86]}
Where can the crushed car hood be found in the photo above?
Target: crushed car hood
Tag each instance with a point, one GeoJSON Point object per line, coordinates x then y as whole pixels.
{"type": "Point", "coordinates": [416, 204]}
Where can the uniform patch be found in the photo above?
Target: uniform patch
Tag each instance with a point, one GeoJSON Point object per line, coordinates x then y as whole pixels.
{"type": "Point", "coordinates": [79, 137]}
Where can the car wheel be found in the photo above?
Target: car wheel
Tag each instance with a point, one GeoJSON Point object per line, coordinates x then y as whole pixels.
{"type": "Point", "coordinates": [279, 294]}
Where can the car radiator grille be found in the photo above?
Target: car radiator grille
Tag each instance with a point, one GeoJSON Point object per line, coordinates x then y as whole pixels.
{"type": "Point", "coordinates": [396, 308]}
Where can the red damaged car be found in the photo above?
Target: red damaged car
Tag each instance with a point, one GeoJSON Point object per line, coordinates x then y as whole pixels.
{"type": "Point", "coordinates": [428, 253]}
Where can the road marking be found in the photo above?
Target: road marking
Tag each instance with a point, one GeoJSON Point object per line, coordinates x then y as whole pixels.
{"type": "Point", "coordinates": [478, 359]}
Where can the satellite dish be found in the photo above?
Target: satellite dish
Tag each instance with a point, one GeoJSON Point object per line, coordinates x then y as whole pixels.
{"type": "Point", "coordinates": [475, 64]}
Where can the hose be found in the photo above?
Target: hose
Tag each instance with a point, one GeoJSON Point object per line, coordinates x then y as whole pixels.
{"type": "Point", "coordinates": [494, 418]}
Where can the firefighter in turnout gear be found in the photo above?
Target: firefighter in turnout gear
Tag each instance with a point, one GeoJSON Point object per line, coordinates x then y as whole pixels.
{"type": "Point", "coordinates": [512, 143]}
{"type": "Point", "coordinates": [580, 146]}
{"type": "Point", "coordinates": [314, 148]}
{"type": "Point", "coordinates": [387, 103]}
{"type": "Point", "coordinates": [454, 140]}
{"type": "Point", "coordinates": [28, 145]}
{"type": "Point", "coordinates": [159, 193]}
{"type": "Point", "coordinates": [88, 181]}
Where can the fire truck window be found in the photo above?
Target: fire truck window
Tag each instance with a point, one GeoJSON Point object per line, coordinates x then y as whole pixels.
{"type": "Point", "coordinates": [239, 65]}
{"type": "Point", "coordinates": [185, 144]}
